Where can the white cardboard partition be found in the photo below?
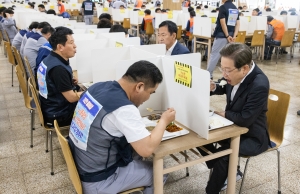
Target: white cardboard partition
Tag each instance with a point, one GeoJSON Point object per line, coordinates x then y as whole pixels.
{"type": "Point", "coordinates": [79, 31]}
{"type": "Point", "coordinates": [159, 18]}
{"type": "Point", "coordinates": [98, 30]}
{"type": "Point", "coordinates": [201, 26]}
{"type": "Point", "coordinates": [292, 22]}
{"type": "Point", "coordinates": [157, 100]}
{"type": "Point", "coordinates": [115, 35]}
{"type": "Point", "coordinates": [193, 59]}
{"type": "Point", "coordinates": [132, 41]}
{"type": "Point", "coordinates": [244, 23]}
{"type": "Point", "coordinates": [257, 23]}
{"type": "Point", "coordinates": [120, 14]}
{"type": "Point", "coordinates": [85, 26]}
{"type": "Point", "coordinates": [84, 37]}
{"type": "Point", "coordinates": [158, 49]}
{"type": "Point", "coordinates": [191, 108]}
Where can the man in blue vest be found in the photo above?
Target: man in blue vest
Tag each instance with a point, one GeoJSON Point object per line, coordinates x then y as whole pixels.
{"type": "Point", "coordinates": [107, 132]}
{"type": "Point", "coordinates": [88, 8]}
{"type": "Point", "coordinates": [57, 87]}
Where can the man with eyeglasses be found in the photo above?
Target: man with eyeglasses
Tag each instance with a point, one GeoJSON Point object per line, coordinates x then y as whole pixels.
{"type": "Point", "coordinates": [247, 92]}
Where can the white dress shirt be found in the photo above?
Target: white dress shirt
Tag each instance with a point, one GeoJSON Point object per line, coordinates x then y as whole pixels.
{"type": "Point", "coordinates": [169, 52]}
{"type": "Point", "coordinates": [236, 87]}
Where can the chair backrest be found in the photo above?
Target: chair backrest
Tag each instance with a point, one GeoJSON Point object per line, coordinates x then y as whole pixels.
{"type": "Point", "coordinates": [22, 82]}
{"type": "Point", "coordinates": [126, 23]}
{"type": "Point", "coordinates": [75, 12]}
{"type": "Point", "coordinates": [10, 54]}
{"type": "Point", "coordinates": [191, 37]}
{"type": "Point", "coordinates": [179, 32]}
{"type": "Point", "coordinates": [287, 39]}
{"type": "Point", "coordinates": [31, 75]}
{"type": "Point", "coordinates": [292, 29]}
{"type": "Point", "coordinates": [149, 28]}
{"type": "Point", "coordinates": [19, 60]}
{"type": "Point", "coordinates": [6, 36]}
{"type": "Point", "coordinates": [69, 11]}
{"type": "Point", "coordinates": [278, 103]}
{"type": "Point", "coordinates": [241, 37]}
{"type": "Point", "coordinates": [73, 173]}
{"type": "Point", "coordinates": [36, 101]}
{"type": "Point", "coordinates": [258, 38]}
{"type": "Point", "coordinates": [1, 36]}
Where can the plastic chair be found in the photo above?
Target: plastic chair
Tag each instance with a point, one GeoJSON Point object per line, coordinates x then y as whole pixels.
{"type": "Point", "coordinates": [75, 12]}
{"type": "Point", "coordinates": [19, 61]}
{"type": "Point", "coordinates": [11, 60]}
{"type": "Point", "coordinates": [287, 41]}
{"type": "Point", "coordinates": [73, 173]}
{"type": "Point", "coordinates": [258, 41]}
{"type": "Point", "coordinates": [179, 32]}
{"type": "Point", "coordinates": [14, 49]}
{"type": "Point", "coordinates": [69, 11]}
{"type": "Point", "coordinates": [278, 103]}
{"type": "Point", "coordinates": [241, 37]}
{"type": "Point", "coordinates": [29, 103]}
{"type": "Point", "coordinates": [126, 23]}
{"type": "Point", "coordinates": [41, 118]}
{"type": "Point", "coordinates": [1, 37]}
{"type": "Point", "coordinates": [6, 36]}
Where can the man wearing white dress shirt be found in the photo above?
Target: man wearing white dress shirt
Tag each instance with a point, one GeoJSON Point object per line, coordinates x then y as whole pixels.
{"type": "Point", "coordinates": [167, 34]}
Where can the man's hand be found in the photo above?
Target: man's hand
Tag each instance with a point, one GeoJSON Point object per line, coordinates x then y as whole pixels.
{"type": "Point", "coordinates": [168, 116]}
{"type": "Point", "coordinates": [75, 81]}
{"type": "Point", "coordinates": [212, 85]}
{"type": "Point", "coordinates": [221, 113]}
{"type": "Point", "coordinates": [230, 39]}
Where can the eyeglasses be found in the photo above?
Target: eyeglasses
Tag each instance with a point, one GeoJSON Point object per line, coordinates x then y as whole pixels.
{"type": "Point", "coordinates": [227, 72]}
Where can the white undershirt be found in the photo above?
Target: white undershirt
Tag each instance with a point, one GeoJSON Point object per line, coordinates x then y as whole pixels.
{"type": "Point", "coordinates": [169, 52]}
{"type": "Point", "coordinates": [126, 121]}
{"type": "Point", "coordinates": [236, 87]}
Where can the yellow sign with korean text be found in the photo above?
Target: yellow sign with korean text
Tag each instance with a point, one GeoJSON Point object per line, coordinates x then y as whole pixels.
{"type": "Point", "coordinates": [249, 18]}
{"type": "Point", "coordinates": [141, 13]}
{"type": "Point", "coordinates": [213, 20]}
{"type": "Point", "coordinates": [92, 32]}
{"type": "Point", "coordinates": [74, 4]}
{"type": "Point", "coordinates": [122, 10]}
{"type": "Point", "coordinates": [118, 44]}
{"type": "Point", "coordinates": [183, 74]}
{"type": "Point", "coordinates": [170, 14]}
{"type": "Point", "coordinates": [105, 8]}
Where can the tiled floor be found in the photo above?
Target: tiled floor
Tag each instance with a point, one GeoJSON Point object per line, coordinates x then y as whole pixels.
{"type": "Point", "coordinates": [27, 170]}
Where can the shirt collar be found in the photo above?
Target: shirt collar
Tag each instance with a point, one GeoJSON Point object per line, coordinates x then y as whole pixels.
{"type": "Point", "coordinates": [253, 65]}
{"type": "Point", "coordinates": [172, 47]}
{"type": "Point", "coordinates": [54, 54]}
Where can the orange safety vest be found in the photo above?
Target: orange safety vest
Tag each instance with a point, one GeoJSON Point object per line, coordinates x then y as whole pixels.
{"type": "Point", "coordinates": [148, 19]}
{"type": "Point", "coordinates": [278, 29]}
{"type": "Point", "coordinates": [188, 33]}
{"type": "Point", "coordinates": [139, 4]}
{"type": "Point", "coordinates": [62, 8]}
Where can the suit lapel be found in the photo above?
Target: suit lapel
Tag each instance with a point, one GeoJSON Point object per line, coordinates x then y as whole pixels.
{"type": "Point", "coordinates": [240, 90]}
{"type": "Point", "coordinates": [175, 50]}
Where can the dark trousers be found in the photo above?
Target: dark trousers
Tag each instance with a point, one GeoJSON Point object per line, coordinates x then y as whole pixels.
{"type": "Point", "coordinates": [63, 120]}
{"type": "Point", "coordinates": [248, 147]}
{"type": "Point", "coordinates": [268, 48]}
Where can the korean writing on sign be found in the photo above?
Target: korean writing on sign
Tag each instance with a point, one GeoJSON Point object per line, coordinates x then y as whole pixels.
{"type": "Point", "coordinates": [85, 113]}
{"type": "Point", "coordinates": [232, 17]}
{"type": "Point", "coordinates": [183, 74]}
{"type": "Point", "coordinates": [118, 44]}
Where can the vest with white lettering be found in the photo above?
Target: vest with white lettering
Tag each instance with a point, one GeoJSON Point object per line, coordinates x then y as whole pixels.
{"type": "Point", "coordinates": [53, 103]}
{"type": "Point", "coordinates": [97, 153]}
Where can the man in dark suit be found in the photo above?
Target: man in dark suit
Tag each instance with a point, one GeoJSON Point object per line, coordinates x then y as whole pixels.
{"type": "Point", "coordinates": [167, 34]}
{"type": "Point", "coordinates": [247, 92]}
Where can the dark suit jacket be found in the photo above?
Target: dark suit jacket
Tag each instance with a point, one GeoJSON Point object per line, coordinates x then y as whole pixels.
{"type": "Point", "coordinates": [179, 49]}
{"type": "Point", "coordinates": [249, 106]}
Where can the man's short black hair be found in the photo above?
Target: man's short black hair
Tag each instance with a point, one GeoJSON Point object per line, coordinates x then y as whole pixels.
{"type": "Point", "coordinates": [268, 9]}
{"type": "Point", "coordinates": [31, 5]}
{"type": "Point", "coordinates": [270, 18]}
{"type": "Point", "coordinates": [206, 6]}
{"type": "Point", "coordinates": [117, 28]}
{"type": "Point", "coordinates": [104, 23]}
{"type": "Point", "coordinates": [7, 11]}
{"type": "Point", "coordinates": [157, 9]}
{"type": "Point", "coordinates": [147, 11]}
{"type": "Point", "coordinates": [51, 11]}
{"type": "Point", "coordinates": [213, 11]}
{"type": "Point", "coordinates": [143, 6]}
{"type": "Point", "coordinates": [163, 11]}
{"type": "Point", "coordinates": [192, 13]}
{"type": "Point", "coordinates": [48, 29]}
{"type": "Point", "coordinates": [33, 25]}
{"type": "Point", "coordinates": [240, 53]}
{"type": "Point", "coordinates": [105, 15]}
{"type": "Point", "coordinates": [41, 6]}
{"type": "Point", "coordinates": [144, 71]}
{"type": "Point", "coordinates": [172, 27]}
{"type": "Point", "coordinates": [256, 9]}
{"type": "Point", "coordinates": [283, 12]}
{"type": "Point", "coordinates": [2, 9]}
{"type": "Point", "coordinates": [198, 7]}
{"type": "Point", "coordinates": [190, 9]}
{"type": "Point", "coordinates": [59, 36]}
{"type": "Point", "coordinates": [240, 8]}
{"type": "Point", "coordinates": [43, 24]}
{"type": "Point", "coordinates": [217, 9]}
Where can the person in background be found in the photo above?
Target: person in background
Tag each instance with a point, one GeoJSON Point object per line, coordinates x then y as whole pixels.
{"type": "Point", "coordinates": [256, 12]}
{"type": "Point", "coordinates": [241, 14]}
{"type": "Point", "coordinates": [87, 10]}
{"type": "Point", "coordinates": [247, 92]}
{"type": "Point", "coordinates": [33, 44]}
{"type": "Point", "coordinates": [274, 36]}
{"type": "Point", "coordinates": [226, 30]}
{"type": "Point", "coordinates": [147, 19]}
{"type": "Point", "coordinates": [198, 9]}
{"type": "Point", "coordinates": [104, 23]}
{"type": "Point", "coordinates": [61, 7]}
{"type": "Point", "coordinates": [157, 2]}
{"type": "Point", "coordinates": [240, 8]}
{"type": "Point", "coordinates": [41, 8]}
{"type": "Point", "coordinates": [143, 7]}
{"type": "Point", "coordinates": [57, 86]}
{"type": "Point", "coordinates": [205, 7]}
{"type": "Point", "coordinates": [293, 13]}
{"type": "Point", "coordinates": [213, 11]}
{"type": "Point", "coordinates": [109, 159]}
{"type": "Point", "coordinates": [190, 9]}
{"type": "Point", "coordinates": [157, 10]}
{"type": "Point", "coordinates": [268, 9]}
{"type": "Point", "coordinates": [245, 8]}
{"type": "Point", "coordinates": [217, 10]}
{"type": "Point", "coordinates": [118, 3]}
{"type": "Point", "coordinates": [122, 7]}
{"type": "Point", "coordinates": [119, 28]}
{"type": "Point", "coordinates": [43, 52]}
{"type": "Point", "coordinates": [51, 11]}
{"type": "Point", "coordinates": [2, 9]}
{"type": "Point", "coordinates": [105, 15]}
{"type": "Point", "coordinates": [167, 34]}
{"type": "Point", "coordinates": [283, 12]}
{"type": "Point", "coordinates": [17, 41]}
{"type": "Point", "coordinates": [9, 24]}
{"type": "Point", "coordinates": [31, 5]}
{"type": "Point", "coordinates": [189, 29]}
{"type": "Point", "coordinates": [138, 4]}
